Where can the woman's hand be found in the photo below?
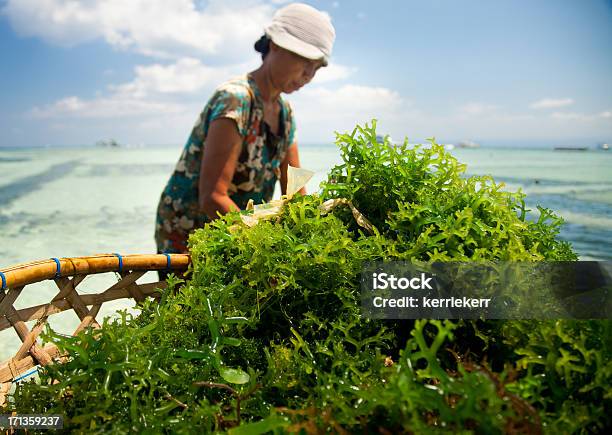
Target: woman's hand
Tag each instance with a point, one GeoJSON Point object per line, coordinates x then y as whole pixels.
{"type": "Point", "coordinates": [221, 152]}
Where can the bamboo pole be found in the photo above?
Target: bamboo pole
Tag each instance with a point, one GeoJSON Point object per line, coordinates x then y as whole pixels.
{"type": "Point", "coordinates": [28, 273]}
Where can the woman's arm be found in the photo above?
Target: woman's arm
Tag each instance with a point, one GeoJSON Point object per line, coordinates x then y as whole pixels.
{"type": "Point", "coordinates": [221, 152]}
{"type": "Point", "coordinates": [292, 158]}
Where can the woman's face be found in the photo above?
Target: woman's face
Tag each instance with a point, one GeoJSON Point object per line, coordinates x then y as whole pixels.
{"type": "Point", "coordinates": [290, 71]}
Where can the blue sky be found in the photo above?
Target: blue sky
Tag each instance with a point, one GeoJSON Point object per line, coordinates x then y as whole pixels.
{"type": "Point", "coordinates": [511, 73]}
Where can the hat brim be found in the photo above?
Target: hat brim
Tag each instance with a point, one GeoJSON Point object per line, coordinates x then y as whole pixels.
{"type": "Point", "coordinates": [289, 42]}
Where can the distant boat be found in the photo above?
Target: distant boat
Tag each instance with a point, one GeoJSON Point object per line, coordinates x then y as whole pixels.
{"type": "Point", "coordinates": [111, 143]}
{"type": "Point", "coordinates": [604, 146]}
{"type": "Point", "coordinates": [468, 144]}
{"type": "Point", "coordinates": [564, 148]}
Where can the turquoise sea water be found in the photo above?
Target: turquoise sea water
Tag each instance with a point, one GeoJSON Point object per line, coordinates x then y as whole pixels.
{"type": "Point", "coordinates": [65, 202]}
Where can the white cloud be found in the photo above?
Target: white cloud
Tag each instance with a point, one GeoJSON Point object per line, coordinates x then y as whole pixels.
{"type": "Point", "coordinates": [322, 110]}
{"type": "Point", "coordinates": [184, 76]}
{"type": "Point", "coordinates": [551, 103]}
{"type": "Point", "coordinates": [184, 31]}
{"type": "Point", "coordinates": [156, 89]}
{"type": "Point", "coordinates": [476, 109]}
{"type": "Point", "coordinates": [350, 100]}
{"type": "Point", "coordinates": [333, 72]}
{"type": "Point", "coordinates": [567, 115]}
{"type": "Point", "coordinates": [105, 107]}
{"type": "Point", "coordinates": [582, 116]}
{"type": "Point", "coordinates": [153, 114]}
{"type": "Point", "coordinates": [156, 28]}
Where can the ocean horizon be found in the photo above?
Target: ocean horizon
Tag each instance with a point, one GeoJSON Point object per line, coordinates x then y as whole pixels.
{"type": "Point", "coordinates": [589, 144]}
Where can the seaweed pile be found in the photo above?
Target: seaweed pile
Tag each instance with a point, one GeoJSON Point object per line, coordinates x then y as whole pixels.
{"type": "Point", "coordinates": [266, 334]}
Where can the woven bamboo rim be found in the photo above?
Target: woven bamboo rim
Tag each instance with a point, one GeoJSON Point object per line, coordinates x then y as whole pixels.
{"type": "Point", "coordinates": [72, 271]}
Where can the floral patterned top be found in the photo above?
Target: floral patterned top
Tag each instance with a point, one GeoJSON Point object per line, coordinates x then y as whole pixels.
{"type": "Point", "coordinates": [257, 169]}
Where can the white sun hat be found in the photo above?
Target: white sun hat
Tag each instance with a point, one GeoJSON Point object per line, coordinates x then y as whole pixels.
{"type": "Point", "coordinates": [303, 30]}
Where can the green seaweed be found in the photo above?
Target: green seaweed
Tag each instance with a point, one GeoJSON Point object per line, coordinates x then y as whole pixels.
{"type": "Point", "coordinates": [266, 335]}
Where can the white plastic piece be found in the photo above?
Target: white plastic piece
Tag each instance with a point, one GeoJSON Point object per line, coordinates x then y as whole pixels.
{"type": "Point", "coordinates": [296, 179]}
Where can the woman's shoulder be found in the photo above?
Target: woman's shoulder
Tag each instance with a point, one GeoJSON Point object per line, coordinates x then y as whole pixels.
{"type": "Point", "coordinates": [232, 99]}
{"type": "Point", "coordinates": [237, 87]}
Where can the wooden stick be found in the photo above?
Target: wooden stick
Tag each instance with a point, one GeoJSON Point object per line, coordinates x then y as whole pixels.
{"type": "Point", "coordinates": [4, 389]}
{"type": "Point", "coordinates": [10, 369]}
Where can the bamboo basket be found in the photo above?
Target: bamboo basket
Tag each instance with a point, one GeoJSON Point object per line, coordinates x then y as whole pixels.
{"type": "Point", "coordinates": [68, 273]}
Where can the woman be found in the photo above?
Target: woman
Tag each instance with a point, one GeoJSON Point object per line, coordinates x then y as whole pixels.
{"type": "Point", "coordinates": [245, 138]}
